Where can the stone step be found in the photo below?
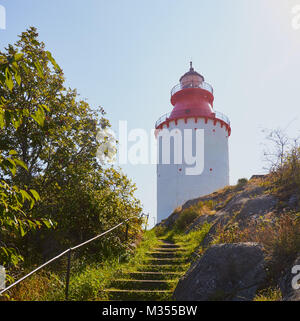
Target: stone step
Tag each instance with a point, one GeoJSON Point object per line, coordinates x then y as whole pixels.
{"type": "Point", "coordinates": [138, 295]}
{"type": "Point", "coordinates": [162, 267]}
{"type": "Point", "coordinates": [169, 249]}
{"type": "Point", "coordinates": [164, 254]}
{"type": "Point", "coordinates": [129, 284]}
{"type": "Point", "coordinates": [154, 279]}
{"type": "Point", "coordinates": [163, 261]}
{"type": "Point", "coordinates": [140, 275]}
{"type": "Point", "coordinates": [169, 245]}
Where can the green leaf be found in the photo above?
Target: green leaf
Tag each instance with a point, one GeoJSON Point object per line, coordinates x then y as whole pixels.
{"type": "Point", "coordinates": [10, 164]}
{"type": "Point", "coordinates": [25, 195]}
{"type": "Point", "coordinates": [39, 116]}
{"type": "Point", "coordinates": [20, 163]}
{"type": "Point", "coordinates": [8, 80]}
{"type": "Point", "coordinates": [49, 55]}
{"type": "Point", "coordinates": [22, 230]}
{"type": "Point", "coordinates": [18, 78]}
{"type": "Point", "coordinates": [47, 223]}
{"type": "Point", "coordinates": [35, 195]}
{"type": "Point", "coordinates": [2, 120]}
{"type": "Point", "coordinates": [39, 69]}
{"type": "Point", "coordinates": [18, 56]}
{"type": "Point", "coordinates": [45, 107]}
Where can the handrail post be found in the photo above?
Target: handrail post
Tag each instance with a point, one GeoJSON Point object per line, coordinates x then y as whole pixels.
{"type": "Point", "coordinates": [126, 238]}
{"type": "Point", "coordinates": [146, 224]}
{"type": "Point", "coordinates": [68, 275]}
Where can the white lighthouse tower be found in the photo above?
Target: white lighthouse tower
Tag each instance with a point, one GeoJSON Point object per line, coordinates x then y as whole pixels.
{"type": "Point", "coordinates": [192, 132]}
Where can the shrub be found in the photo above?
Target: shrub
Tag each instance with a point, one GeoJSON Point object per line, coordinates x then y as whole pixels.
{"type": "Point", "coordinates": [185, 218]}
{"type": "Point", "coordinates": [231, 234]}
{"type": "Point", "coordinates": [241, 182]}
{"type": "Point", "coordinates": [160, 230]}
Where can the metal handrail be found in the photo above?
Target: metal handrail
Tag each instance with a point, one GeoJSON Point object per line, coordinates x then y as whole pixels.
{"type": "Point", "coordinates": [192, 84]}
{"type": "Point", "coordinates": [69, 251]}
{"type": "Point", "coordinates": [185, 113]}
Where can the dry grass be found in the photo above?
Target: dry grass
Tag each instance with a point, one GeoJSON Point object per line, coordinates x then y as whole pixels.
{"type": "Point", "coordinates": [38, 287]}
{"type": "Point", "coordinates": [280, 238]}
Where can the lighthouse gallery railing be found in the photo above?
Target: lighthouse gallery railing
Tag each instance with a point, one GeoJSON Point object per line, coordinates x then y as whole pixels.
{"type": "Point", "coordinates": [193, 84]}
{"type": "Point", "coordinates": [185, 113]}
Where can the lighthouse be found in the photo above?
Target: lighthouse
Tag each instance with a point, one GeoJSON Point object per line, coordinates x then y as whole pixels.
{"type": "Point", "coordinates": [192, 142]}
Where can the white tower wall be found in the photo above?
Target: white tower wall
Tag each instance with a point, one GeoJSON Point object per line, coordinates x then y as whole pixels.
{"type": "Point", "coordinates": [174, 187]}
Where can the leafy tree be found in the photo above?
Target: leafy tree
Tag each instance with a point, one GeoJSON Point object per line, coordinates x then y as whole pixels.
{"type": "Point", "coordinates": [57, 140]}
{"type": "Point", "coordinates": [13, 219]}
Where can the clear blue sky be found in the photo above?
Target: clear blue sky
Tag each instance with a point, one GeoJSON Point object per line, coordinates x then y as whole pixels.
{"type": "Point", "coordinates": [127, 55]}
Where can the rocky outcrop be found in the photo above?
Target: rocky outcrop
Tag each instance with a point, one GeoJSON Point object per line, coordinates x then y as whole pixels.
{"type": "Point", "coordinates": [230, 272]}
{"type": "Point", "coordinates": [256, 207]}
{"type": "Point", "coordinates": [289, 293]}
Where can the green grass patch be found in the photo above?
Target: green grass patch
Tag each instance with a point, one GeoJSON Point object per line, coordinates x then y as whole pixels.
{"type": "Point", "coordinates": [270, 294]}
{"type": "Point", "coordinates": [90, 283]}
{"type": "Point", "coordinates": [189, 242]}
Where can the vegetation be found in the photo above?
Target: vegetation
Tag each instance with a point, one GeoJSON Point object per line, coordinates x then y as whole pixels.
{"type": "Point", "coordinates": [88, 278]}
{"type": "Point", "coordinates": [241, 182]}
{"type": "Point", "coordinates": [284, 164]}
{"type": "Point", "coordinates": [280, 239]}
{"type": "Point", "coordinates": [57, 189]}
{"type": "Point", "coordinates": [277, 231]}
{"type": "Point", "coordinates": [269, 294]}
{"type": "Point", "coordinates": [191, 241]}
{"type": "Point", "coordinates": [55, 192]}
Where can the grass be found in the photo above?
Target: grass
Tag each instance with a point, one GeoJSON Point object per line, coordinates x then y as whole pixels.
{"type": "Point", "coordinates": [129, 285]}
{"type": "Point", "coordinates": [269, 294]}
{"type": "Point", "coordinates": [42, 286]}
{"type": "Point", "coordinates": [190, 242]}
{"type": "Point", "coordinates": [86, 282]}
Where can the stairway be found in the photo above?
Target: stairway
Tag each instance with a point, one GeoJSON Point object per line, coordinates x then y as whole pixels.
{"type": "Point", "coordinates": [154, 279]}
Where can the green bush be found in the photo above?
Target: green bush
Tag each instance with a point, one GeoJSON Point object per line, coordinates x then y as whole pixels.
{"type": "Point", "coordinates": [186, 217]}
{"type": "Point", "coordinates": [242, 181]}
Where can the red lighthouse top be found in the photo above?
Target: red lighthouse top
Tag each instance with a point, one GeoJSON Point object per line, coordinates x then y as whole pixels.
{"type": "Point", "coordinates": [193, 98]}
{"type": "Point", "coordinates": [192, 95]}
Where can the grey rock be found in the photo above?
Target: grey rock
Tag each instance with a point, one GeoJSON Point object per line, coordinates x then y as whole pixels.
{"type": "Point", "coordinates": [258, 206]}
{"type": "Point", "coordinates": [169, 222]}
{"type": "Point", "coordinates": [199, 221]}
{"type": "Point", "coordinates": [293, 202]}
{"type": "Point", "coordinates": [226, 272]}
{"type": "Point", "coordinates": [240, 199]}
{"type": "Point", "coordinates": [222, 219]}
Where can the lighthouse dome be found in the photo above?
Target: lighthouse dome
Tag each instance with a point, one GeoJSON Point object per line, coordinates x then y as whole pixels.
{"type": "Point", "coordinates": [191, 78]}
